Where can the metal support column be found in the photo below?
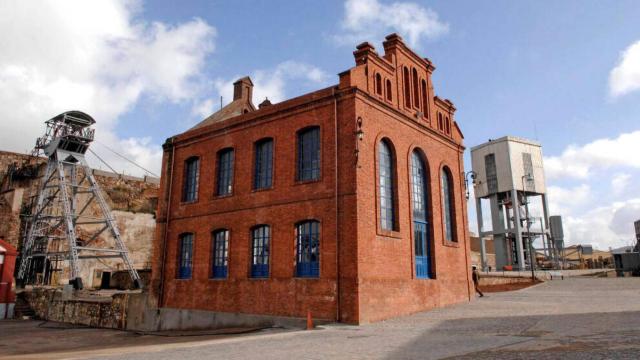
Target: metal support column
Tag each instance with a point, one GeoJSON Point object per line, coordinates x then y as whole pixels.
{"type": "Point", "coordinates": [69, 228]}
{"type": "Point", "coordinates": [483, 248]}
{"type": "Point", "coordinates": [34, 225]}
{"type": "Point", "coordinates": [518, 229]}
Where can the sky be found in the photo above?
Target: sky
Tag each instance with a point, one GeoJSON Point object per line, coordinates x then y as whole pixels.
{"type": "Point", "coordinates": [564, 73]}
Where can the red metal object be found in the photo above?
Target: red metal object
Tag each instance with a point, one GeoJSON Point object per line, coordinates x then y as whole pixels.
{"type": "Point", "coordinates": [7, 263]}
{"type": "Point", "coordinates": [309, 321]}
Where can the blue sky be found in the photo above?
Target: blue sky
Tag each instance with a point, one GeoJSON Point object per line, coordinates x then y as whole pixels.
{"type": "Point", "coordinates": [563, 72]}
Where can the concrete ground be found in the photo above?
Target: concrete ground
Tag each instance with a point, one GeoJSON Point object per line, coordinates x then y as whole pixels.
{"type": "Point", "coordinates": [575, 318]}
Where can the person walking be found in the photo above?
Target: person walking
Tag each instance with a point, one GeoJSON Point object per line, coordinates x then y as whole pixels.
{"type": "Point", "coordinates": [475, 276]}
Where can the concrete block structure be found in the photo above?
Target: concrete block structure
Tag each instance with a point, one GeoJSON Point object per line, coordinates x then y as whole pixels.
{"type": "Point", "coordinates": [346, 202]}
{"type": "Point", "coordinates": [509, 172]}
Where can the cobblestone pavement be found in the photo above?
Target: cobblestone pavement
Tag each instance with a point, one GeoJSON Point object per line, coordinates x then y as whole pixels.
{"type": "Point", "coordinates": [576, 318]}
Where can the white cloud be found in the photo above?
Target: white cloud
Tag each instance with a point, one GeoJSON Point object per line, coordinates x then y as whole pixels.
{"type": "Point", "coordinates": [619, 183]}
{"type": "Point", "coordinates": [625, 77]}
{"type": "Point", "coordinates": [203, 109]}
{"type": "Point", "coordinates": [371, 19]}
{"type": "Point", "coordinates": [596, 211]}
{"type": "Point", "coordinates": [564, 200]}
{"type": "Point", "coordinates": [606, 226]}
{"type": "Point", "coordinates": [579, 161]}
{"type": "Point", "coordinates": [98, 57]}
{"type": "Point", "coordinates": [273, 83]}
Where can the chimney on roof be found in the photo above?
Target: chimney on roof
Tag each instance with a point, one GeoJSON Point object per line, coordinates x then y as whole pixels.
{"type": "Point", "coordinates": [243, 89]}
{"type": "Point", "coordinates": [265, 103]}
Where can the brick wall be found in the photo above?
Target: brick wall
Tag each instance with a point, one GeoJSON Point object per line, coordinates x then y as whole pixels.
{"type": "Point", "coordinates": [365, 274]}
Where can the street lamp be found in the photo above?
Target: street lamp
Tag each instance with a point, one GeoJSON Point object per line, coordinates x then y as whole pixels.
{"type": "Point", "coordinates": [532, 259]}
{"type": "Point", "coordinates": [473, 175]}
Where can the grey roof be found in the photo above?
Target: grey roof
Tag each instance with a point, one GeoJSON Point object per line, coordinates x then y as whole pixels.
{"type": "Point", "coordinates": [622, 250]}
{"type": "Point", "coordinates": [234, 108]}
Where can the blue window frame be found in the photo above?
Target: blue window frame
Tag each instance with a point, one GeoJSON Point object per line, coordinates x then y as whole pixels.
{"type": "Point", "coordinates": [225, 172]}
{"type": "Point", "coordinates": [447, 205]}
{"type": "Point", "coordinates": [185, 256]}
{"type": "Point", "coordinates": [419, 191]}
{"type": "Point", "coordinates": [220, 254]}
{"type": "Point", "coordinates": [260, 240]}
{"type": "Point", "coordinates": [387, 187]}
{"type": "Point", "coordinates": [308, 249]}
{"type": "Point", "coordinates": [263, 173]}
{"type": "Point", "coordinates": [191, 175]}
{"type": "Point", "coordinates": [309, 154]}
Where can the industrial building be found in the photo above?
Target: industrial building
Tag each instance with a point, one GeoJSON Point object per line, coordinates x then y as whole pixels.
{"type": "Point", "coordinates": [508, 174]}
{"type": "Point", "coordinates": [346, 203]}
{"type": "Point", "coordinates": [586, 257]}
{"type": "Point", "coordinates": [475, 245]}
{"type": "Point", "coordinates": [627, 258]}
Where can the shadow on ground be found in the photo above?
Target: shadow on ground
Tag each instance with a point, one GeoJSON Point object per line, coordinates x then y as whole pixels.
{"type": "Point", "coordinates": [569, 336]}
{"type": "Point", "coordinates": [23, 337]}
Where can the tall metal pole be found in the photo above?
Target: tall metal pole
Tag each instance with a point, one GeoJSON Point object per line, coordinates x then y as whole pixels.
{"type": "Point", "coordinates": [526, 209]}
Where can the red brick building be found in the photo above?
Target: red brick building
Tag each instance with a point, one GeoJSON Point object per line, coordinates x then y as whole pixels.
{"type": "Point", "coordinates": [346, 202]}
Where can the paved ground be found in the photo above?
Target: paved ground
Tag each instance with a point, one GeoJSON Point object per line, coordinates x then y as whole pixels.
{"type": "Point", "coordinates": [576, 318]}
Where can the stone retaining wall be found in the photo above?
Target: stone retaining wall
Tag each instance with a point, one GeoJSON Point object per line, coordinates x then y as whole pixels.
{"type": "Point", "coordinates": [500, 280]}
{"type": "Point", "coordinates": [56, 305]}
{"type": "Point", "coordinates": [135, 310]}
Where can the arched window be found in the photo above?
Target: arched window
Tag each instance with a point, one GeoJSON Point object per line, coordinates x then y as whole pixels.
{"type": "Point", "coordinates": [447, 125]}
{"type": "Point", "coordinates": [440, 122]}
{"type": "Point", "coordinates": [416, 93]}
{"type": "Point", "coordinates": [191, 175]}
{"type": "Point", "coordinates": [263, 172]}
{"type": "Point", "coordinates": [260, 242]}
{"type": "Point", "coordinates": [308, 249]}
{"type": "Point", "coordinates": [419, 193]}
{"type": "Point", "coordinates": [309, 154]}
{"type": "Point", "coordinates": [387, 184]}
{"type": "Point", "coordinates": [448, 205]}
{"type": "Point", "coordinates": [389, 95]}
{"type": "Point", "coordinates": [378, 84]}
{"type": "Point", "coordinates": [407, 88]}
{"type": "Point", "coordinates": [225, 172]}
{"type": "Point", "coordinates": [185, 256]}
{"type": "Point", "coordinates": [425, 99]}
{"type": "Point", "coordinates": [219, 254]}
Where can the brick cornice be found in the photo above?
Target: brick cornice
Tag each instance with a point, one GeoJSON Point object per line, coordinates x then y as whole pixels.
{"type": "Point", "coordinates": [408, 120]}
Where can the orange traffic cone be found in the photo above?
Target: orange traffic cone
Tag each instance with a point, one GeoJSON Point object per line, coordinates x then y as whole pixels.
{"type": "Point", "coordinates": [309, 320]}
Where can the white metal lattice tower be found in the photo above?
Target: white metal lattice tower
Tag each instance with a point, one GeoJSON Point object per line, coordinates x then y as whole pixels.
{"type": "Point", "coordinates": [70, 202]}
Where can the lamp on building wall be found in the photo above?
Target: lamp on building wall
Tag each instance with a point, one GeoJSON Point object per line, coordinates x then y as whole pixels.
{"type": "Point", "coordinates": [473, 175]}
{"type": "Point", "coordinates": [359, 136]}
{"type": "Point", "coordinates": [359, 132]}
